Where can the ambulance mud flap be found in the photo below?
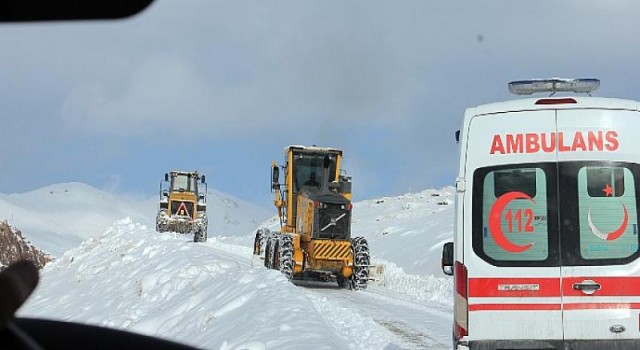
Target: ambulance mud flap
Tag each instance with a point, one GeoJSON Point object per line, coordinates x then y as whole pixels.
{"type": "Point", "coordinates": [625, 344]}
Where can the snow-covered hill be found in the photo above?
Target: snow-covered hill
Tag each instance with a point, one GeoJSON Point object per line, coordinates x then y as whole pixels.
{"type": "Point", "coordinates": [409, 230]}
{"type": "Point", "coordinates": [165, 285]}
{"type": "Point", "coordinates": [57, 218]}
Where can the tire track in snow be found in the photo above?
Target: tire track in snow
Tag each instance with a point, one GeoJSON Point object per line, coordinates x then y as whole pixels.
{"type": "Point", "coordinates": [402, 324]}
{"type": "Point", "coordinates": [412, 337]}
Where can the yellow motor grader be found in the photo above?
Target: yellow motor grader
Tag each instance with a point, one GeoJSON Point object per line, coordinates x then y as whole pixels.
{"type": "Point", "coordinates": [183, 207]}
{"type": "Point", "coordinates": [314, 207]}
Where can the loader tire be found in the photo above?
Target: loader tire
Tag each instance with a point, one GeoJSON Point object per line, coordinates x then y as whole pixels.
{"type": "Point", "coordinates": [361, 260]}
{"type": "Point", "coordinates": [200, 236]}
{"type": "Point", "coordinates": [161, 228]}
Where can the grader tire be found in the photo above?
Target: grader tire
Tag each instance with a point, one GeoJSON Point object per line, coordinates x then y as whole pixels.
{"type": "Point", "coordinates": [286, 257]}
{"type": "Point", "coordinates": [361, 260]}
{"type": "Point", "coordinates": [267, 254]}
{"type": "Point", "coordinates": [342, 281]}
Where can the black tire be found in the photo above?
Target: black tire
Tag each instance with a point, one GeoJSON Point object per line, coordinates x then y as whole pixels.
{"type": "Point", "coordinates": [200, 236]}
{"type": "Point", "coordinates": [267, 254]}
{"type": "Point", "coordinates": [285, 257]}
{"type": "Point", "coordinates": [257, 243]}
{"type": "Point", "coordinates": [275, 255]}
{"type": "Point", "coordinates": [342, 281]}
{"type": "Point", "coordinates": [262, 236]}
{"type": "Point", "coordinates": [361, 262]}
{"type": "Point", "coordinates": [161, 228]}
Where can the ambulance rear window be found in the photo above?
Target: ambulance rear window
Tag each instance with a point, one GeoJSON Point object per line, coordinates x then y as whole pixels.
{"type": "Point", "coordinates": [511, 215]}
{"type": "Point", "coordinates": [523, 180]}
{"type": "Point", "coordinates": [605, 181]}
{"type": "Point", "coordinates": [607, 213]}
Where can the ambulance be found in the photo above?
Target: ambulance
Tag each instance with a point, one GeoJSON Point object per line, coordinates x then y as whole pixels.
{"type": "Point", "coordinates": [545, 252]}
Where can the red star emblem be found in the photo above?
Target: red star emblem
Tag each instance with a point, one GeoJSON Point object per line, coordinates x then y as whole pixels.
{"type": "Point", "coordinates": [608, 191]}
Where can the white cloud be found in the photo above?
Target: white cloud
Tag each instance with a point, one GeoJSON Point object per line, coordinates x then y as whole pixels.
{"type": "Point", "coordinates": [163, 92]}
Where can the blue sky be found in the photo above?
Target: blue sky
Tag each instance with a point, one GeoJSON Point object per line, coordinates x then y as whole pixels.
{"type": "Point", "coordinates": [224, 86]}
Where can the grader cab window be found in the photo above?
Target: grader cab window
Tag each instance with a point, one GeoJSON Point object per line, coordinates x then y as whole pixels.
{"type": "Point", "coordinates": [308, 171]}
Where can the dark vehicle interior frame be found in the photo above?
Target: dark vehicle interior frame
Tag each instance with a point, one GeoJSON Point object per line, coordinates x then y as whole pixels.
{"type": "Point", "coordinates": [18, 281]}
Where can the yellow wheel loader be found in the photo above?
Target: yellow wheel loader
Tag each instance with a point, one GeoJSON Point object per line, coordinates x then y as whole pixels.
{"type": "Point", "coordinates": [183, 207]}
{"type": "Point", "coordinates": [314, 207]}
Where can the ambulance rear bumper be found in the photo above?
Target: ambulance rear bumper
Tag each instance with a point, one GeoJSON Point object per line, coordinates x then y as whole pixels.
{"type": "Point", "coordinates": [622, 344]}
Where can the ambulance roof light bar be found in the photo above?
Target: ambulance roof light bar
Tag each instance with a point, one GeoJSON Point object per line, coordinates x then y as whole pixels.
{"type": "Point", "coordinates": [553, 85]}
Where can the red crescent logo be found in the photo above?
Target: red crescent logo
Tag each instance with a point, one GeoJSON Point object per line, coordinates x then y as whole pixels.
{"type": "Point", "coordinates": [613, 234]}
{"type": "Point", "coordinates": [495, 219]}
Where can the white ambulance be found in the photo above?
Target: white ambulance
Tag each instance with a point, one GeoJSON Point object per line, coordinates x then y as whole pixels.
{"type": "Point", "coordinates": [545, 252]}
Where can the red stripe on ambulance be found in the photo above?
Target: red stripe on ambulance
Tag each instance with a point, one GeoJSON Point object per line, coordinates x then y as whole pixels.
{"type": "Point", "coordinates": [551, 307]}
{"type": "Point", "coordinates": [514, 307]}
{"type": "Point", "coordinates": [601, 306]}
{"type": "Point", "coordinates": [550, 287]}
{"type": "Point", "coordinates": [514, 287]}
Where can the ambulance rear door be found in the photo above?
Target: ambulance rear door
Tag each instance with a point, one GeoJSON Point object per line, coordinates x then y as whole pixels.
{"type": "Point", "coordinates": [512, 255]}
{"type": "Point", "coordinates": [599, 178]}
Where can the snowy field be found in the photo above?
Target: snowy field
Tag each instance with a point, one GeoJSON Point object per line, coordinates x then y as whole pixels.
{"type": "Point", "coordinates": [214, 295]}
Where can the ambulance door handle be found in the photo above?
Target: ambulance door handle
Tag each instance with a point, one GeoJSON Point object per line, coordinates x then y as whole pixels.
{"type": "Point", "coordinates": [587, 286]}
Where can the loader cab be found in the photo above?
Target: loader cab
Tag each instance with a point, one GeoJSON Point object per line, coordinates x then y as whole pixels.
{"type": "Point", "coordinates": [184, 182]}
{"type": "Point", "coordinates": [182, 190]}
{"type": "Point", "coordinates": [546, 241]}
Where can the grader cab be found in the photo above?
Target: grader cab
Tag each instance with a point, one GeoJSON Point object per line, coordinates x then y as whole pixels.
{"type": "Point", "coordinates": [314, 207]}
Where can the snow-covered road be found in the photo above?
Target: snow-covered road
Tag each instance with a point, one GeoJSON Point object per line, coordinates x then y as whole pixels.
{"type": "Point", "coordinates": [389, 320]}
{"type": "Point", "coordinates": [376, 318]}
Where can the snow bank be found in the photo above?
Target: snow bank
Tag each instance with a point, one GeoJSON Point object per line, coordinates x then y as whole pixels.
{"type": "Point", "coordinates": [408, 230]}
{"type": "Point", "coordinates": [427, 288]}
{"type": "Point", "coordinates": [133, 278]}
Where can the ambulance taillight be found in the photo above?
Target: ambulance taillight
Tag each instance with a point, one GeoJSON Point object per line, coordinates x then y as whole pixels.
{"type": "Point", "coordinates": [555, 101]}
{"type": "Point", "coordinates": [461, 308]}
